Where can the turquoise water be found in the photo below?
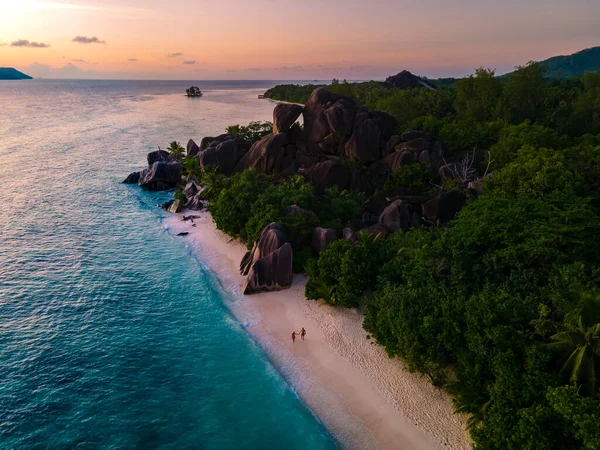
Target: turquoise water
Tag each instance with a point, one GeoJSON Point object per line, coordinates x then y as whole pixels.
{"type": "Point", "coordinates": [111, 334]}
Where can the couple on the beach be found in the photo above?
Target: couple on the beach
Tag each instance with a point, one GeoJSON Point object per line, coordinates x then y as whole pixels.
{"type": "Point", "coordinates": [302, 334]}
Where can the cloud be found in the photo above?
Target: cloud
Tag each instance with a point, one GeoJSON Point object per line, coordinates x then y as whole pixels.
{"type": "Point", "coordinates": [132, 59]}
{"type": "Point", "coordinates": [26, 43]}
{"type": "Point", "coordinates": [83, 61]}
{"type": "Point", "coordinates": [44, 71]}
{"type": "Point", "coordinates": [174, 55]}
{"type": "Point", "coordinates": [254, 69]}
{"type": "Point", "coordinates": [3, 44]}
{"type": "Point", "coordinates": [288, 68]}
{"type": "Point", "coordinates": [88, 40]}
{"type": "Point", "coordinates": [192, 62]}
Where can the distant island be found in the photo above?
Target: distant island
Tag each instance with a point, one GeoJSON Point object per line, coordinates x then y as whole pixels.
{"type": "Point", "coordinates": [574, 65]}
{"type": "Point", "coordinates": [9, 73]}
{"type": "Point", "coordinates": [193, 91]}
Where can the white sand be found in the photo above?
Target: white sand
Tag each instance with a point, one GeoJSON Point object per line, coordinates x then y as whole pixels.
{"type": "Point", "coordinates": [365, 399]}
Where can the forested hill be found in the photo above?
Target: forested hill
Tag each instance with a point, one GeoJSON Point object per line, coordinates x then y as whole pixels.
{"type": "Point", "coordinates": [577, 64]}
{"type": "Point", "coordinates": [8, 73]}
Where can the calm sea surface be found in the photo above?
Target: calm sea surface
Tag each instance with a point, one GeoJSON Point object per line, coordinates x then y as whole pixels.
{"type": "Point", "coordinates": [111, 334]}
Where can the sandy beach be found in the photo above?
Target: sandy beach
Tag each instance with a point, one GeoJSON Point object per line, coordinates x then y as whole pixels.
{"type": "Point", "coordinates": [365, 399]}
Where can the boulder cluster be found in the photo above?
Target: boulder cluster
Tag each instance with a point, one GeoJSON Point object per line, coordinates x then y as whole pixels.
{"type": "Point", "coordinates": [339, 144]}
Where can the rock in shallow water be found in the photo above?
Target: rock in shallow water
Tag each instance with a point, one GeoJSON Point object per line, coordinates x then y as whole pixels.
{"type": "Point", "coordinates": [160, 176]}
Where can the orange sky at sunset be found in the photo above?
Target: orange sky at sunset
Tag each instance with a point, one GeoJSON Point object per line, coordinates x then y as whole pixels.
{"type": "Point", "coordinates": [267, 39]}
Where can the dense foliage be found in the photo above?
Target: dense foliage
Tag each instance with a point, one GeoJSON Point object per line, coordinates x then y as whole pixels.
{"type": "Point", "coordinates": [502, 307]}
{"type": "Point", "coordinates": [476, 108]}
{"type": "Point", "coordinates": [251, 132]}
{"type": "Point", "coordinates": [249, 201]}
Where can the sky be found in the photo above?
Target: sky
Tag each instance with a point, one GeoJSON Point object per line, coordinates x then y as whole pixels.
{"type": "Point", "coordinates": [287, 40]}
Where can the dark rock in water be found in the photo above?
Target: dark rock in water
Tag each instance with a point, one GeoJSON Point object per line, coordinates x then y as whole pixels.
{"type": "Point", "coordinates": [268, 265]}
{"type": "Point", "coordinates": [158, 155]}
{"type": "Point", "coordinates": [271, 273]}
{"type": "Point", "coordinates": [370, 134]}
{"type": "Point", "coordinates": [192, 148]}
{"type": "Point", "coordinates": [166, 205]}
{"type": "Point", "coordinates": [284, 116]}
{"type": "Point", "coordinates": [224, 155]}
{"type": "Point", "coordinates": [272, 153]}
{"type": "Point", "coordinates": [406, 80]}
{"type": "Point", "coordinates": [132, 178]}
{"type": "Point", "coordinates": [396, 216]}
{"type": "Point", "coordinates": [322, 237]}
{"type": "Point", "coordinates": [183, 233]}
{"type": "Point", "coordinates": [160, 176]}
{"type": "Point", "coordinates": [349, 235]}
{"type": "Point", "coordinates": [176, 207]}
{"type": "Point", "coordinates": [376, 230]}
{"type": "Point", "coordinates": [328, 120]}
{"type": "Point", "coordinates": [444, 207]}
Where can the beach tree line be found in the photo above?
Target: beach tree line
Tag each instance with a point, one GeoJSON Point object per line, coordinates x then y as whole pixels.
{"type": "Point", "coordinates": [501, 308]}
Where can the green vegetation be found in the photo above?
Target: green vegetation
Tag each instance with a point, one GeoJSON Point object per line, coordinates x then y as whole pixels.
{"type": "Point", "coordinates": [176, 150]}
{"type": "Point", "coordinates": [249, 201]}
{"type": "Point", "coordinates": [251, 132]}
{"type": "Point", "coordinates": [474, 110]}
{"type": "Point", "coordinates": [502, 307]}
{"type": "Point", "coordinates": [574, 65]}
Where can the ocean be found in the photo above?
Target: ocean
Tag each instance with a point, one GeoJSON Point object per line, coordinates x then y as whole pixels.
{"type": "Point", "coordinates": [112, 336]}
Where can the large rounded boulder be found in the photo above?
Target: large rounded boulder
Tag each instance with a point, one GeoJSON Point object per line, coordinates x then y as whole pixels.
{"type": "Point", "coordinates": [322, 237]}
{"type": "Point", "coordinates": [160, 176]}
{"type": "Point", "coordinates": [328, 121]}
{"type": "Point", "coordinates": [224, 155]}
{"type": "Point", "coordinates": [268, 266]}
{"type": "Point", "coordinates": [284, 116]}
{"type": "Point", "coordinates": [158, 155]}
{"type": "Point", "coordinates": [370, 134]}
{"type": "Point", "coordinates": [444, 207]}
{"type": "Point", "coordinates": [192, 148]}
{"type": "Point", "coordinates": [396, 216]}
{"type": "Point", "coordinates": [273, 153]}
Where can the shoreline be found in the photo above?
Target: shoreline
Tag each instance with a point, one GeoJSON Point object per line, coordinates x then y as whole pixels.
{"type": "Point", "coordinates": [363, 398]}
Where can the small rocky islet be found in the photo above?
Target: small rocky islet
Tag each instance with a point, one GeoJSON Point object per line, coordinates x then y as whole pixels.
{"type": "Point", "coordinates": [340, 144]}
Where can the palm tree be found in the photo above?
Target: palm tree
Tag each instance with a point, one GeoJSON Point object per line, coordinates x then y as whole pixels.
{"type": "Point", "coordinates": [468, 400]}
{"type": "Point", "coordinates": [580, 346]}
{"type": "Point", "coordinates": [213, 182]}
{"type": "Point", "coordinates": [192, 168]}
{"type": "Point", "coordinates": [176, 150]}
